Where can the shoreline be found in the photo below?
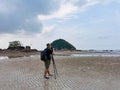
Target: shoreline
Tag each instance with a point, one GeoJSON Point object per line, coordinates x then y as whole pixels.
{"type": "Point", "coordinates": [20, 54]}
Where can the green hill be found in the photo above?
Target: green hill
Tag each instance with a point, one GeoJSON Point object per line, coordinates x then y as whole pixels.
{"type": "Point", "coordinates": [61, 44]}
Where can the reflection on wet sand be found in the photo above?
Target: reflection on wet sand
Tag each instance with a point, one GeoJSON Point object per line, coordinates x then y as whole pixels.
{"type": "Point", "coordinates": [46, 85]}
{"type": "Point", "coordinates": [10, 57]}
{"type": "Point", "coordinates": [3, 57]}
{"type": "Point", "coordinates": [14, 57]}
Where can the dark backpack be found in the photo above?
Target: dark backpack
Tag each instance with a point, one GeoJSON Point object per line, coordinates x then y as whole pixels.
{"type": "Point", "coordinates": [43, 55]}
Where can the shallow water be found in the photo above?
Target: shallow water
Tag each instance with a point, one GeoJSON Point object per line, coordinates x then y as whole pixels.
{"type": "Point", "coordinates": [113, 54]}
{"type": "Point", "coordinates": [3, 57]}
{"type": "Point", "coordinates": [97, 55]}
{"type": "Point", "coordinates": [10, 57]}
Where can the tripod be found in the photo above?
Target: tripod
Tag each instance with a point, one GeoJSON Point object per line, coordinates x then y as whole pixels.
{"type": "Point", "coordinates": [54, 67]}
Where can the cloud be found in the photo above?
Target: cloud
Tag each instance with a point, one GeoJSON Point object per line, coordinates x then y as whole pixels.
{"type": "Point", "coordinates": [65, 9]}
{"type": "Point", "coordinates": [68, 8]}
{"type": "Point", "coordinates": [83, 5]}
{"type": "Point", "coordinates": [48, 29]}
{"type": "Point", "coordinates": [22, 14]}
{"type": "Point", "coordinates": [17, 15]}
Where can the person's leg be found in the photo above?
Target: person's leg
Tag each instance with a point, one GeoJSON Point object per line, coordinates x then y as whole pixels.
{"type": "Point", "coordinates": [46, 70]}
{"type": "Point", "coordinates": [49, 73]}
{"type": "Point", "coordinates": [45, 73]}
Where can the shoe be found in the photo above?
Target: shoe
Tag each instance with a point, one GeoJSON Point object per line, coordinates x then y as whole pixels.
{"type": "Point", "coordinates": [46, 77]}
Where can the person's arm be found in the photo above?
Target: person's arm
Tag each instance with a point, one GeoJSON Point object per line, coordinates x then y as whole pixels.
{"type": "Point", "coordinates": [52, 50]}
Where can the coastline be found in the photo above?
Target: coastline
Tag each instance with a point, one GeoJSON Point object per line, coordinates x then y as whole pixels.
{"type": "Point", "coordinates": [17, 54]}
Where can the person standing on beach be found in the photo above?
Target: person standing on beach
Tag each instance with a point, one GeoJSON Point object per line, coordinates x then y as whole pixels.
{"type": "Point", "coordinates": [48, 52]}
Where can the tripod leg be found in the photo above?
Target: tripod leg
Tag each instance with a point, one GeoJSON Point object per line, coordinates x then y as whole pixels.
{"type": "Point", "coordinates": [55, 69]}
{"type": "Point", "coordinates": [54, 72]}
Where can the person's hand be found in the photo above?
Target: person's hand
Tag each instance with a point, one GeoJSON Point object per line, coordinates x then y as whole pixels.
{"type": "Point", "coordinates": [53, 53]}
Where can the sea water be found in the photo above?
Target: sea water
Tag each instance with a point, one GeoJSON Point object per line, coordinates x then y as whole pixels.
{"type": "Point", "coordinates": [3, 57]}
{"type": "Point", "coordinates": [97, 55]}
{"type": "Point", "coordinates": [88, 54]}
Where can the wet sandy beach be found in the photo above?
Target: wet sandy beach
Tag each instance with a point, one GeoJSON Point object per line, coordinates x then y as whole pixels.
{"type": "Point", "coordinates": [75, 73]}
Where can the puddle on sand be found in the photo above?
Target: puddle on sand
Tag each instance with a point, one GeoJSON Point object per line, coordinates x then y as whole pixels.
{"type": "Point", "coordinates": [3, 57]}
{"type": "Point", "coordinates": [9, 57]}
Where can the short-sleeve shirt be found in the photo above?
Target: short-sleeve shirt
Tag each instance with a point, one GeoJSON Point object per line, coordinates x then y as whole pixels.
{"type": "Point", "coordinates": [48, 53]}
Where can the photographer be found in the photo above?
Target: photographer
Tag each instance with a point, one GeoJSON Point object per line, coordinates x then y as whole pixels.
{"type": "Point", "coordinates": [48, 52]}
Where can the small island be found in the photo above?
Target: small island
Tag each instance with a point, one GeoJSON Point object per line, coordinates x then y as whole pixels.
{"type": "Point", "coordinates": [61, 44]}
{"type": "Point", "coordinates": [16, 49]}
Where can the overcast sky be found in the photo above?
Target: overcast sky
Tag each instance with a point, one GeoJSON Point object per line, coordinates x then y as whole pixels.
{"type": "Point", "coordinates": [87, 24]}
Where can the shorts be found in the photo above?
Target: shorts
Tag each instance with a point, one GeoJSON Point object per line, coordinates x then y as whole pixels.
{"type": "Point", "coordinates": [47, 64]}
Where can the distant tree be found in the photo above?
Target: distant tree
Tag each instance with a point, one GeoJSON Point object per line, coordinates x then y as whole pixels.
{"type": "Point", "coordinates": [15, 45]}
